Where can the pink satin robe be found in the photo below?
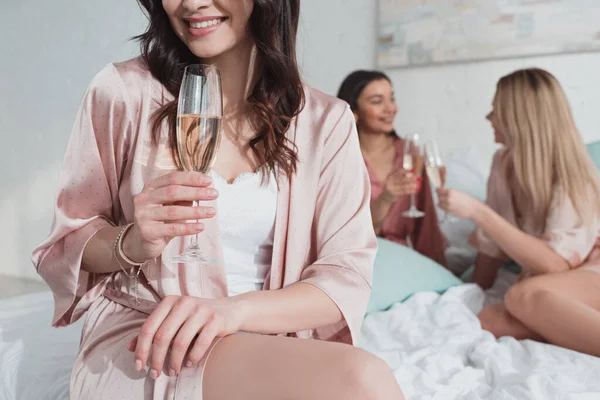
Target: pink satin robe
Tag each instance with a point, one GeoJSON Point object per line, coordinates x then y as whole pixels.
{"type": "Point", "coordinates": [323, 233]}
{"type": "Point", "coordinates": [578, 244]}
{"type": "Point", "coordinates": [425, 233]}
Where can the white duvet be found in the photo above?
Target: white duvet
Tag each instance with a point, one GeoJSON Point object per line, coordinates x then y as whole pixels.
{"type": "Point", "coordinates": [433, 343]}
{"type": "Point", "coordinates": [438, 351]}
{"type": "Point", "coordinates": [35, 359]}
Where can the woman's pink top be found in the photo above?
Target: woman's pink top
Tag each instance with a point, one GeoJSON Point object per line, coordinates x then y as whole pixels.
{"type": "Point", "coordinates": [574, 240]}
{"type": "Point", "coordinates": [425, 233]}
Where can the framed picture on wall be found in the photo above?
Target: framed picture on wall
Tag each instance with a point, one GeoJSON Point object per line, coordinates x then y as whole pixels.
{"type": "Point", "coordinates": [427, 32]}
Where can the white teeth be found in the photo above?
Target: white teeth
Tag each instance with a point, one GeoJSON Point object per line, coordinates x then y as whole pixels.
{"type": "Point", "coordinates": [205, 24]}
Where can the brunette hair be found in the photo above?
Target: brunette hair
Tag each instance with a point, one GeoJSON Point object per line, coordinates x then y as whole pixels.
{"type": "Point", "coordinates": [276, 99]}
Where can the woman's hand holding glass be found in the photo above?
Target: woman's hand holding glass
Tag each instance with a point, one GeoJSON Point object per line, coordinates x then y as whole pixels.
{"type": "Point", "coordinates": [458, 203]}
{"type": "Point", "coordinates": [161, 210]}
{"type": "Point", "coordinates": [401, 183]}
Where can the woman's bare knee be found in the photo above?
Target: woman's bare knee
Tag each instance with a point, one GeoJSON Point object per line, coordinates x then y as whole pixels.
{"type": "Point", "coordinates": [521, 299]}
{"type": "Point", "coordinates": [368, 377]}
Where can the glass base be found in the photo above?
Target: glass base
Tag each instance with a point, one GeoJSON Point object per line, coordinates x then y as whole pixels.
{"type": "Point", "coordinates": [192, 255]}
{"type": "Point", "coordinates": [414, 213]}
{"type": "Point", "coordinates": [448, 219]}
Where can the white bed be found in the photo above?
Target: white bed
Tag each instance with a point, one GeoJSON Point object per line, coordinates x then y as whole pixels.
{"type": "Point", "coordinates": [433, 343]}
{"type": "Point", "coordinates": [438, 351]}
{"type": "Point", "coordinates": [35, 359]}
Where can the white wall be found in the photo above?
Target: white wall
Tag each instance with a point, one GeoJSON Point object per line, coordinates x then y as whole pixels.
{"type": "Point", "coordinates": [335, 38]}
{"type": "Point", "coordinates": [446, 102]}
{"type": "Point", "coordinates": [450, 102]}
{"type": "Point", "coordinates": [49, 53]}
{"type": "Point", "coordinates": [48, 65]}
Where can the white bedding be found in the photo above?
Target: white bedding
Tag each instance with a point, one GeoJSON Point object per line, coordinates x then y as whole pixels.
{"type": "Point", "coordinates": [433, 343]}
{"type": "Point", "coordinates": [438, 351]}
{"type": "Point", "coordinates": [35, 359]}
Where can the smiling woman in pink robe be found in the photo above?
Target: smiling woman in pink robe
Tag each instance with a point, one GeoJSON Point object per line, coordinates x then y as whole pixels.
{"type": "Point", "coordinates": [323, 233]}
{"type": "Point", "coordinates": [322, 253]}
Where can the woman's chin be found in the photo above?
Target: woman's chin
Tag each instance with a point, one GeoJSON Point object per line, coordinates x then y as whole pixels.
{"type": "Point", "coordinates": [387, 129]}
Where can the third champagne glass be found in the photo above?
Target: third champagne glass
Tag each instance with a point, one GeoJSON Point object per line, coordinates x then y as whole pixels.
{"type": "Point", "coordinates": [199, 114]}
{"type": "Point", "coordinates": [436, 170]}
{"type": "Point", "coordinates": [412, 161]}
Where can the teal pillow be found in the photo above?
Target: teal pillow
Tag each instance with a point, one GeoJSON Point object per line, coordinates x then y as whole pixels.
{"type": "Point", "coordinates": [401, 272]}
{"type": "Point", "coordinates": [594, 150]}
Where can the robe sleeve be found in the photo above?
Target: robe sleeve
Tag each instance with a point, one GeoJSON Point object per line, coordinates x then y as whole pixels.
{"type": "Point", "coordinates": [88, 195]}
{"type": "Point", "coordinates": [346, 242]}
{"type": "Point", "coordinates": [568, 234]}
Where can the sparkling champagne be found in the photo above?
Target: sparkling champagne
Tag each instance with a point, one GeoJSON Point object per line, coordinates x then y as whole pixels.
{"type": "Point", "coordinates": [198, 141]}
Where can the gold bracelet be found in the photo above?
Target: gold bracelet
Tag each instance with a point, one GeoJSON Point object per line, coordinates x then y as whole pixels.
{"type": "Point", "coordinates": [118, 251]}
{"type": "Point", "coordinates": [119, 247]}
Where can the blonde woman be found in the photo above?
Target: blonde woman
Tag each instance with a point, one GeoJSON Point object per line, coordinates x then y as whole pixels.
{"type": "Point", "coordinates": [542, 212]}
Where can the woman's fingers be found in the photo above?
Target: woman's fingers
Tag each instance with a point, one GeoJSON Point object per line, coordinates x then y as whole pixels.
{"type": "Point", "coordinates": [158, 230]}
{"type": "Point", "coordinates": [149, 329]}
{"type": "Point", "coordinates": [207, 336]}
{"type": "Point", "coordinates": [179, 213]}
{"type": "Point", "coordinates": [174, 193]}
{"type": "Point", "coordinates": [180, 178]}
{"type": "Point", "coordinates": [184, 340]}
{"type": "Point", "coordinates": [132, 344]}
{"type": "Point", "coordinates": [443, 198]}
{"type": "Point", "coordinates": [163, 338]}
{"type": "Point", "coordinates": [404, 188]}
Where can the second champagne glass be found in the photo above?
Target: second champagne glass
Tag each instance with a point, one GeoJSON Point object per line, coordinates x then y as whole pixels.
{"type": "Point", "coordinates": [436, 170]}
{"type": "Point", "coordinates": [412, 161]}
{"type": "Point", "coordinates": [199, 115]}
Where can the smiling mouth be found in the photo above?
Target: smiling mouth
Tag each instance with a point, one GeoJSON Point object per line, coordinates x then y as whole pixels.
{"type": "Point", "coordinates": [206, 24]}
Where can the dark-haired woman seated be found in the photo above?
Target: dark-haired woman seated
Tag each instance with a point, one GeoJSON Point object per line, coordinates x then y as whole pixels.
{"type": "Point", "coordinates": [371, 98]}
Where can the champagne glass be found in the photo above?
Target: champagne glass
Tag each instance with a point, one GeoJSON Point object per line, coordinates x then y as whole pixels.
{"type": "Point", "coordinates": [412, 161]}
{"type": "Point", "coordinates": [436, 170]}
{"type": "Point", "coordinates": [199, 115]}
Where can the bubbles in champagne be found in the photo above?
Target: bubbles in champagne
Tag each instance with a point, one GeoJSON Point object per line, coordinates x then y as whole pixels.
{"type": "Point", "coordinates": [437, 175]}
{"type": "Point", "coordinates": [198, 139]}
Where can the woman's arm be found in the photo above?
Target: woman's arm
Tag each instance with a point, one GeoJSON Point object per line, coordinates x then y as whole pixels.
{"type": "Point", "coordinates": [98, 254]}
{"type": "Point", "coordinates": [398, 183]}
{"type": "Point", "coordinates": [533, 254]}
{"type": "Point", "coordinates": [298, 307]}
{"type": "Point", "coordinates": [380, 209]}
{"type": "Point", "coordinates": [295, 308]}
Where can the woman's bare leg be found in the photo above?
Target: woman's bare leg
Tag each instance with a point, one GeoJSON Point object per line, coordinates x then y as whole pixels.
{"type": "Point", "coordinates": [564, 308]}
{"type": "Point", "coordinates": [275, 368]}
{"type": "Point", "coordinates": [497, 320]}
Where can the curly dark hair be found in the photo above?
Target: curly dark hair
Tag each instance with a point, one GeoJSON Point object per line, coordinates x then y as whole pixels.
{"type": "Point", "coordinates": [276, 99]}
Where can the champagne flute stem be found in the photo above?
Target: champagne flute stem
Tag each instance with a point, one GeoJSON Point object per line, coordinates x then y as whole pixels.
{"type": "Point", "coordinates": [412, 201]}
{"type": "Point", "coordinates": [195, 238]}
{"type": "Point", "coordinates": [445, 214]}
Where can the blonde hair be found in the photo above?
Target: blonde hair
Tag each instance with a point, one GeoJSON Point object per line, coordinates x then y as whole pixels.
{"type": "Point", "coordinates": [545, 150]}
